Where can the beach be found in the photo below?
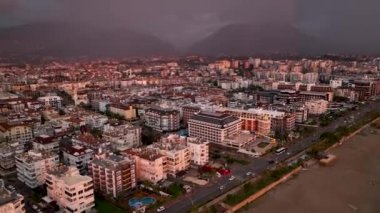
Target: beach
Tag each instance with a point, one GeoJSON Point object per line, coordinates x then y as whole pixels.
{"type": "Point", "coordinates": [350, 184]}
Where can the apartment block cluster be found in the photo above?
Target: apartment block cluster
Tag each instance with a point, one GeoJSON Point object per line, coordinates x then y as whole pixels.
{"type": "Point", "coordinates": [62, 122]}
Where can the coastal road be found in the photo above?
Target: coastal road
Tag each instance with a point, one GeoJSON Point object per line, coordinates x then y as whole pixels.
{"type": "Point", "coordinates": [207, 193]}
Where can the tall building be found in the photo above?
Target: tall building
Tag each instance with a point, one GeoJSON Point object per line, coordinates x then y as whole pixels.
{"type": "Point", "coordinates": [251, 121]}
{"type": "Point", "coordinates": [161, 119]}
{"type": "Point", "coordinates": [10, 202]}
{"type": "Point", "coordinates": [32, 166]}
{"type": "Point", "coordinates": [16, 132]}
{"type": "Point", "coordinates": [176, 152]}
{"type": "Point", "coordinates": [113, 174]}
{"type": "Point", "coordinates": [72, 191]}
{"type": "Point", "coordinates": [150, 164]}
{"type": "Point", "coordinates": [317, 107]}
{"type": "Point", "coordinates": [127, 112]}
{"type": "Point", "coordinates": [8, 152]}
{"type": "Point", "coordinates": [214, 127]}
{"type": "Point", "coordinates": [189, 111]}
{"type": "Point", "coordinates": [199, 150]}
{"type": "Point", "coordinates": [123, 137]}
{"type": "Point", "coordinates": [78, 156]}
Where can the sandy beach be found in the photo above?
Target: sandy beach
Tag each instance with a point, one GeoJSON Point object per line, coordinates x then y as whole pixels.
{"type": "Point", "coordinates": [351, 184]}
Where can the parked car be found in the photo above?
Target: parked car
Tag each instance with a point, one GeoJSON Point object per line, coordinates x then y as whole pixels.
{"type": "Point", "coordinates": [161, 209]}
{"type": "Point", "coordinates": [232, 178]}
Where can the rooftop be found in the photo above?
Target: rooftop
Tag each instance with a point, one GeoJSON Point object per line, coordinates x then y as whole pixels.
{"type": "Point", "coordinates": [214, 118]}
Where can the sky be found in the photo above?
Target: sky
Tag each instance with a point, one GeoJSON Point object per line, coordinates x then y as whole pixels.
{"type": "Point", "coordinates": [183, 22]}
{"type": "Point", "coordinates": [180, 22]}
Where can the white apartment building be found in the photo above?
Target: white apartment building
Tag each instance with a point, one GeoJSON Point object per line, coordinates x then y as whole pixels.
{"type": "Point", "coordinates": [199, 150]}
{"type": "Point", "coordinates": [78, 156]}
{"type": "Point", "coordinates": [32, 166]}
{"type": "Point", "coordinates": [8, 151]}
{"type": "Point", "coordinates": [122, 137]}
{"type": "Point", "coordinates": [150, 164]}
{"type": "Point", "coordinates": [177, 154]}
{"type": "Point", "coordinates": [51, 101]}
{"type": "Point", "coordinates": [10, 202]}
{"type": "Point", "coordinates": [72, 192]}
{"type": "Point", "coordinates": [96, 121]}
{"type": "Point", "coordinates": [317, 107]}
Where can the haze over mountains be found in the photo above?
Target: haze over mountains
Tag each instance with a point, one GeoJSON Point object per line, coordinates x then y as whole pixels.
{"type": "Point", "coordinates": [64, 40]}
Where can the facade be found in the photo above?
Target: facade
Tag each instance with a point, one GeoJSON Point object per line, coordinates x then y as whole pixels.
{"type": "Point", "coordinates": [32, 166]}
{"type": "Point", "coordinates": [127, 112]}
{"type": "Point", "coordinates": [189, 111]}
{"type": "Point", "coordinates": [78, 156]}
{"type": "Point", "coordinates": [53, 101]}
{"type": "Point", "coordinates": [214, 127]}
{"type": "Point", "coordinates": [113, 174]}
{"type": "Point", "coordinates": [199, 150]}
{"type": "Point", "coordinates": [251, 121]}
{"type": "Point", "coordinates": [72, 191]}
{"type": "Point", "coordinates": [46, 143]}
{"type": "Point", "coordinates": [122, 137]}
{"type": "Point", "coordinates": [317, 107]}
{"type": "Point", "coordinates": [10, 202]}
{"type": "Point", "coordinates": [162, 119]}
{"type": "Point", "coordinates": [16, 132]}
{"type": "Point", "coordinates": [307, 95]}
{"type": "Point", "coordinates": [8, 151]}
{"type": "Point", "coordinates": [176, 152]}
{"type": "Point", "coordinates": [150, 164]}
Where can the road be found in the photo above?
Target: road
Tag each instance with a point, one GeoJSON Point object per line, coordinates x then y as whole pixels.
{"type": "Point", "coordinates": [205, 194]}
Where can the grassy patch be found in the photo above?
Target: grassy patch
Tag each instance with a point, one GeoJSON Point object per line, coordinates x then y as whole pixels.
{"type": "Point", "coordinates": [106, 206]}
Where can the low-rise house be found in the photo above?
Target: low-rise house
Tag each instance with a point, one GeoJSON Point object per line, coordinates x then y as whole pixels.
{"type": "Point", "coordinates": [10, 202]}
{"type": "Point", "coordinates": [8, 151]}
{"type": "Point", "coordinates": [46, 143]}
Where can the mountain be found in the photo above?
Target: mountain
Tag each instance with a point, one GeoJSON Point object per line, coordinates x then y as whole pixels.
{"type": "Point", "coordinates": [63, 40]}
{"type": "Point", "coordinates": [245, 39]}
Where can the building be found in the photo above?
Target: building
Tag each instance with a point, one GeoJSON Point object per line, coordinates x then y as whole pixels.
{"type": "Point", "coordinates": [251, 121]}
{"type": "Point", "coordinates": [46, 143]}
{"type": "Point", "coordinates": [162, 119]}
{"type": "Point", "coordinates": [53, 101]}
{"type": "Point", "coordinates": [199, 150]}
{"type": "Point", "coordinates": [10, 202]}
{"type": "Point", "coordinates": [214, 127]}
{"type": "Point", "coordinates": [8, 151]}
{"type": "Point", "coordinates": [177, 153]}
{"type": "Point", "coordinates": [87, 140]}
{"type": "Point", "coordinates": [309, 95]}
{"type": "Point", "coordinates": [72, 191]}
{"type": "Point", "coordinates": [122, 137]}
{"type": "Point", "coordinates": [317, 107]}
{"type": "Point", "coordinates": [127, 112]}
{"type": "Point", "coordinates": [189, 111]}
{"type": "Point", "coordinates": [16, 132]}
{"type": "Point", "coordinates": [151, 165]}
{"type": "Point", "coordinates": [32, 166]}
{"type": "Point", "coordinates": [78, 156]}
{"type": "Point", "coordinates": [113, 175]}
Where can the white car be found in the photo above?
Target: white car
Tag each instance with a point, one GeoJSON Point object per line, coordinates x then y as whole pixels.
{"type": "Point", "coordinates": [248, 173]}
{"type": "Point", "coordinates": [221, 188]}
{"type": "Point", "coordinates": [232, 178]}
{"type": "Point", "coordinates": [161, 209]}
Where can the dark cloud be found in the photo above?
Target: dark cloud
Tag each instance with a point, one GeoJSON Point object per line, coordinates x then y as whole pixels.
{"type": "Point", "coordinates": [179, 21]}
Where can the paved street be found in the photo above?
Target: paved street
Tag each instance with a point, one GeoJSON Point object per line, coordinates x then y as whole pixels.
{"type": "Point", "coordinates": [205, 194]}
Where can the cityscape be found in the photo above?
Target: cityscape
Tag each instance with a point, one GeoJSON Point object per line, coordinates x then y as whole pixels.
{"type": "Point", "coordinates": [122, 121]}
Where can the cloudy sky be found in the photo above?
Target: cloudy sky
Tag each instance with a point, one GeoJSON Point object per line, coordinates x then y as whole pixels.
{"type": "Point", "coordinates": [183, 22]}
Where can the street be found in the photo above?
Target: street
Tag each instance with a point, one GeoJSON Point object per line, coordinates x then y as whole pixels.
{"type": "Point", "coordinates": [258, 166]}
